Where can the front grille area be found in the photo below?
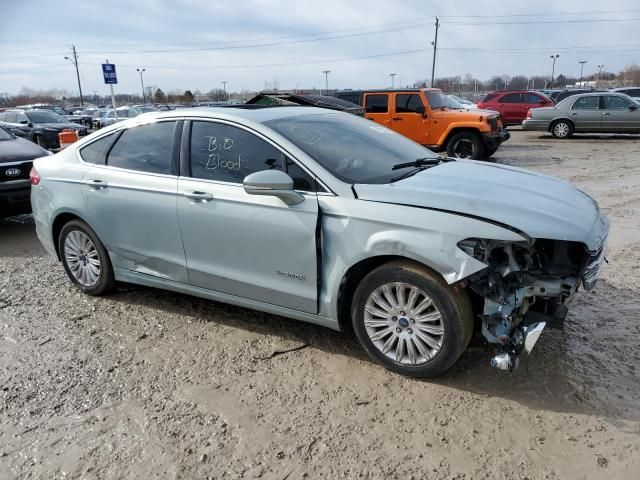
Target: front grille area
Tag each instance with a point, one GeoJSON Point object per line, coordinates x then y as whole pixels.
{"type": "Point", "coordinates": [493, 122]}
{"type": "Point", "coordinates": [593, 267]}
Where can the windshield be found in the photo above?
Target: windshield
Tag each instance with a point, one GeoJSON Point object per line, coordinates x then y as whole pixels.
{"type": "Point", "coordinates": [453, 103]}
{"type": "Point", "coordinates": [353, 149]}
{"type": "Point", "coordinates": [437, 99]}
{"type": "Point", "coordinates": [4, 135]}
{"type": "Point", "coordinates": [44, 117]}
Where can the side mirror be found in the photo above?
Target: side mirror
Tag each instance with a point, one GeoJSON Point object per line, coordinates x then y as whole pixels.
{"type": "Point", "coordinates": [633, 108]}
{"type": "Point", "coordinates": [24, 122]}
{"type": "Point", "coordinates": [274, 183]}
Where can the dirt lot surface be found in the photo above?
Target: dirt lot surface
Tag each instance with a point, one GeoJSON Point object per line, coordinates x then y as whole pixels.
{"type": "Point", "coordinates": [149, 384]}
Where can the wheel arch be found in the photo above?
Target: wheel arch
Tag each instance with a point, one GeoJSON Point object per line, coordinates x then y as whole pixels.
{"type": "Point", "coordinates": [561, 119]}
{"type": "Point", "coordinates": [356, 272]}
{"type": "Point", "coordinates": [455, 130]}
{"type": "Point", "coordinates": [60, 220]}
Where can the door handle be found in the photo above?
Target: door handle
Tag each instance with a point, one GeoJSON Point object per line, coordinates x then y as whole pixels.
{"type": "Point", "coordinates": [97, 184]}
{"type": "Point", "coordinates": [396, 118]}
{"type": "Point", "coordinates": [574, 114]}
{"type": "Point", "coordinates": [196, 195]}
{"type": "Point", "coordinates": [606, 113]}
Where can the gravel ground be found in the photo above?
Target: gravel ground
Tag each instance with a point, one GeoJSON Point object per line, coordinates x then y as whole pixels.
{"type": "Point", "coordinates": [150, 384]}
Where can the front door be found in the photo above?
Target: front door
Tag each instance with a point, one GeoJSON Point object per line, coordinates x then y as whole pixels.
{"type": "Point", "coordinates": [131, 193]}
{"type": "Point", "coordinates": [619, 114]}
{"type": "Point", "coordinates": [376, 108]}
{"type": "Point", "coordinates": [408, 118]}
{"type": "Point", "coordinates": [249, 246]}
{"type": "Point", "coordinates": [585, 114]}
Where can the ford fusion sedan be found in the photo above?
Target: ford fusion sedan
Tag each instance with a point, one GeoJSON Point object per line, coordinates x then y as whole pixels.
{"type": "Point", "coordinates": [16, 157]}
{"type": "Point", "coordinates": [587, 113]}
{"type": "Point", "coordinates": [324, 217]}
{"type": "Point", "coordinates": [40, 126]}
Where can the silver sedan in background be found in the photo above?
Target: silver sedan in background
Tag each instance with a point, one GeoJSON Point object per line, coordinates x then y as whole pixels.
{"type": "Point", "coordinates": [602, 112]}
{"type": "Point", "coordinates": [324, 217]}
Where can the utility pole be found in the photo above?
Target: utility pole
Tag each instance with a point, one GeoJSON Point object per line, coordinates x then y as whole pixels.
{"type": "Point", "coordinates": [581, 62]}
{"type": "Point", "coordinates": [553, 69]}
{"type": "Point", "coordinates": [224, 88]}
{"type": "Point", "coordinates": [326, 82]}
{"type": "Point", "coordinates": [393, 79]}
{"type": "Point", "coordinates": [435, 49]}
{"type": "Point", "coordinates": [74, 60]}
{"type": "Point", "coordinates": [599, 74]}
{"type": "Point", "coordinates": [144, 98]}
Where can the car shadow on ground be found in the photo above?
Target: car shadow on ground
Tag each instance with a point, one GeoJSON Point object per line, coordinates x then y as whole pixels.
{"type": "Point", "coordinates": [585, 369]}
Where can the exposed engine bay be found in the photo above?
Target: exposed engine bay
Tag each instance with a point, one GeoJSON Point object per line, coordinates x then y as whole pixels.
{"type": "Point", "coordinates": [525, 288]}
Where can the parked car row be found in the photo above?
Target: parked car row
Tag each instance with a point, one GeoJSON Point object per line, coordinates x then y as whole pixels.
{"type": "Point", "coordinates": [39, 126]}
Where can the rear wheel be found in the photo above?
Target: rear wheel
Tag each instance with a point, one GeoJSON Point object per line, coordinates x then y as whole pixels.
{"type": "Point", "coordinates": [562, 129]}
{"type": "Point", "coordinates": [85, 259]}
{"type": "Point", "coordinates": [465, 145]}
{"type": "Point", "coordinates": [410, 320]}
{"type": "Point", "coordinates": [490, 151]}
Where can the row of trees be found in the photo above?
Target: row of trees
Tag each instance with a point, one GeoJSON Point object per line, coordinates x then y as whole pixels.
{"type": "Point", "coordinates": [467, 83]}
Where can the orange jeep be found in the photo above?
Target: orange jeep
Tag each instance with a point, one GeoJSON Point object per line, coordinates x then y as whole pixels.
{"type": "Point", "coordinates": [424, 115]}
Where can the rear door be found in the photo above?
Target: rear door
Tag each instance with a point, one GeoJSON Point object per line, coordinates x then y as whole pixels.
{"type": "Point", "coordinates": [619, 114]}
{"type": "Point", "coordinates": [131, 192]}
{"type": "Point", "coordinates": [407, 120]}
{"type": "Point", "coordinates": [377, 108]}
{"type": "Point", "coordinates": [511, 108]}
{"type": "Point", "coordinates": [585, 114]}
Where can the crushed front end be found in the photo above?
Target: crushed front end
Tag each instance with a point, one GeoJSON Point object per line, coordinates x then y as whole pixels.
{"type": "Point", "coordinates": [526, 287]}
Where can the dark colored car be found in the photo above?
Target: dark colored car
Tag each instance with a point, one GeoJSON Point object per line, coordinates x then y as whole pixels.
{"type": "Point", "coordinates": [39, 126]}
{"type": "Point", "coordinates": [514, 105]}
{"type": "Point", "coordinates": [560, 95]}
{"type": "Point", "coordinates": [16, 157]}
{"type": "Point", "coordinates": [633, 92]}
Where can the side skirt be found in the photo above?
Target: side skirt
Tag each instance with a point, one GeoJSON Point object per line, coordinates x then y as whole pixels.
{"type": "Point", "coordinates": [129, 276]}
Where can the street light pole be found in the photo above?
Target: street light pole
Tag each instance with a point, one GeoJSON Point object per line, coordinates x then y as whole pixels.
{"type": "Point", "coordinates": [599, 74]}
{"type": "Point", "coordinates": [553, 69]}
{"type": "Point", "coordinates": [74, 60]}
{"type": "Point", "coordinates": [224, 88]}
{"type": "Point", "coordinates": [140, 70]}
{"type": "Point", "coordinates": [326, 81]}
{"type": "Point", "coordinates": [581, 62]}
{"type": "Point", "coordinates": [393, 79]}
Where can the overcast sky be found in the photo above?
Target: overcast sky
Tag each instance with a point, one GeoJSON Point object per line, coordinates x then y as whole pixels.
{"type": "Point", "coordinates": [198, 44]}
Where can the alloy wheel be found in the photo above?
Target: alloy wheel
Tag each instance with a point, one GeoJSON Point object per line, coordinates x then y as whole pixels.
{"type": "Point", "coordinates": [403, 323]}
{"type": "Point", "coordinates": [463, 148]}
{"type": "Point", "coordinates": [82, 258]}
{"type": "Point", "coordinates": [561, 129]}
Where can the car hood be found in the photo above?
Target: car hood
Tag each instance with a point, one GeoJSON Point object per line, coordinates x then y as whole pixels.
{"type": "Point", "coordinates": [453, 114]}
{"type": "Point", "coordinates": [538, 205]}
{"type": "Point", "coordinates": [19, 149]}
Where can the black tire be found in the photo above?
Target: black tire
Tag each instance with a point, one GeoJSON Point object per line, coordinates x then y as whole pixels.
{"type": "Point", "coordinates": [42, 141]}
{"type": "Point", "coordinates": [562, 129]}
{"type": "Point", "coordinates": [466, 145]}
{"type": "Point", "coordinates": [106, 280]}
{"type": "Point", "coordinates": [456, 318]}
{"type": "Point", "coordinates": [490, 151]}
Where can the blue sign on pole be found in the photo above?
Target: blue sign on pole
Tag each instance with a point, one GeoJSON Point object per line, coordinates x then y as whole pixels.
{"type": "Point", "coordinates": [109, 73]}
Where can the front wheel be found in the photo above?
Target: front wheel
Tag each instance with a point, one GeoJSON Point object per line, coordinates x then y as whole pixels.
{"type": "Point", "coordinates": [85, 259]}
{"type": "Point", "coordinates": [562, 129]}
{"type": "Point", "coordinates": [465, 145]}
{"type": "Point", "coordinates": [410, 320]}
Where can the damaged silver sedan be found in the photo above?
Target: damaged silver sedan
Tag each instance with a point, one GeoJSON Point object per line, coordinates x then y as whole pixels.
{"type": "Point", "coordinates": [328, 218]}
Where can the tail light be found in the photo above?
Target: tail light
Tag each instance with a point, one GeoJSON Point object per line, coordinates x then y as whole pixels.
{"type": "Point", "coordinates": [529, 115]}
{"type": "Point", "coordinates": [34, 176]}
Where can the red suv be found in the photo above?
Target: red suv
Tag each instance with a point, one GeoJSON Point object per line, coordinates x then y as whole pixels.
{"type": "Point", "coordinates": [514, 105]}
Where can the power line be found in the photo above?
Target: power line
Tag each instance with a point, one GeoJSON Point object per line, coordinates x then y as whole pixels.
{"type": "Point", "coordinates": [538, 22]}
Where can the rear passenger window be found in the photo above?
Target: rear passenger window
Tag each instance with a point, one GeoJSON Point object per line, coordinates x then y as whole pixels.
{"type": "Point", "coordinates": [511, 98]}
{"type": "Point", "coordinates": [376, 103]}
{"type": "Point", "coordinates": [408, 103]}
{"type": "Point", "coordinates": [531, 98]}
{"type": "Point", "coordinates": [228, 154]}
{"type": "Point", "coordinates": [586, 103]}
{"type": "Point", "coordinates": [96, 152]}
{"type": "Point", "coordinates": [146, 148]}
